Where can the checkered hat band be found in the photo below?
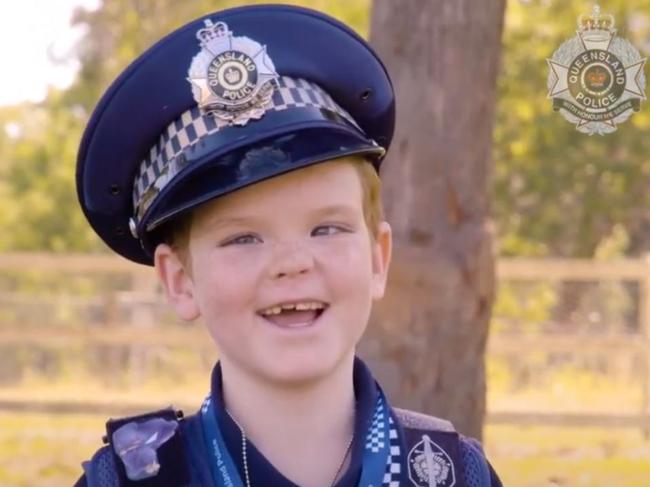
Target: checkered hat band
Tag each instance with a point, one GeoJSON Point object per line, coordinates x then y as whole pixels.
{"type": "Point", "coordinates": [193, 125]}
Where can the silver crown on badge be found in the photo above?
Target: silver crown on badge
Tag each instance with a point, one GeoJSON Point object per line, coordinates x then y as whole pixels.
{"type": "Point", "coordinates": [596, 29]}
{"type": "Point", "coordinates": [232, 78]}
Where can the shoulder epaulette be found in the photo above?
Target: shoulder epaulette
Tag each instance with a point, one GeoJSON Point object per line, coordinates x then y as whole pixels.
{"type": "Point", "coordinates": [411, 419]}
{"type": "Point", "coordinates": [460, 459]}
{"type": "Point", "coordinates": [142, 451]}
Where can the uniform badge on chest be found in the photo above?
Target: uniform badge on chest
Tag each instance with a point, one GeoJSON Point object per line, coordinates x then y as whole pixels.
{"type": "Point", "coordinates": [430, 466]}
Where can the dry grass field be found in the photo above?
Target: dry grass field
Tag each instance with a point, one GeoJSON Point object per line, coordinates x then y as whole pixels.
{"type": "Point", "coordinates": [569, 457]}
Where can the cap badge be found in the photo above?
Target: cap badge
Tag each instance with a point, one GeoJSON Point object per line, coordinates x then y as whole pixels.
{"type": "Point", "coordinates": [232, 78]}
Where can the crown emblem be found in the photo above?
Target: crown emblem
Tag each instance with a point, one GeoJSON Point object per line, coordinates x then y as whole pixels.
{"type": "Point", "coordinates": [596, 26]}
{"type": "Point", "coordinates": [211, 32]}
{"type": "Point", "coordinates": [595, 21]}
{"type": "Point", "coordinates": [232, 76]}
{"type": "Point", "coordinates": [597, 78]}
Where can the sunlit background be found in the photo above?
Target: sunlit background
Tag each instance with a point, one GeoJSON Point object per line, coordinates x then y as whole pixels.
{"type": "Point", "coordinates": [37, 47]}
{"type": "Point", "coordinates": [568, 358]}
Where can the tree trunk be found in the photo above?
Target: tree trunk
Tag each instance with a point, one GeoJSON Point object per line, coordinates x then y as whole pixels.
{"type": "Point", "coordinates": [427, 338]}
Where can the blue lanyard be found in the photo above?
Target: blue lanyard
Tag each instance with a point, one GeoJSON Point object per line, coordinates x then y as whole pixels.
{"type": "Point", "coordinates": [223, 468]}
{"type": "Point", "coordinates": [375, 454]}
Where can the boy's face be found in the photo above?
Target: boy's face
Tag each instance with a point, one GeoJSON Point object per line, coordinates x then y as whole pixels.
{"type": "Point", "coordinates": [298, 238]}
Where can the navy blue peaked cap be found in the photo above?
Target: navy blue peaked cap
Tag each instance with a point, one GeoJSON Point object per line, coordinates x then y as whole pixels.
{"type": "Point", "coordinates": [228, 100]}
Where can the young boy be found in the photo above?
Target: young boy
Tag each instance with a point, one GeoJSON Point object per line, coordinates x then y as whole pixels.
{"type": "Point", "coordinates": [242, 153]}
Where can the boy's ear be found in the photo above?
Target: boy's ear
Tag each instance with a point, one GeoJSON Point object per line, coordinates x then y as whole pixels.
{"type": "Point", "coordinates": [381, 252]}
{"type": "Point", "coordinates": [177, 282]}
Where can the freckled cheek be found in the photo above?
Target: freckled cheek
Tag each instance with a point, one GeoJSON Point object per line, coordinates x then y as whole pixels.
{"type": "Point", "coordinates": [230, 285]}
{"type": "Point", "coordinates": [349, 259]}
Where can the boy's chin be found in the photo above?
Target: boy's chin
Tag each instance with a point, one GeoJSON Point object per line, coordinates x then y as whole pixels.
{"type": "Point", "coordinates": [302, 369]}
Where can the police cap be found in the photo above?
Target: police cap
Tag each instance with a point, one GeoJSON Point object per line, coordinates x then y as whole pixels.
{"type": "Point", "coordinates": [226, 101]}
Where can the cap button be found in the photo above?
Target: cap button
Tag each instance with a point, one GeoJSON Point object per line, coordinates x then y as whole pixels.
{"type": "Point", "coordinates": [133, 227]}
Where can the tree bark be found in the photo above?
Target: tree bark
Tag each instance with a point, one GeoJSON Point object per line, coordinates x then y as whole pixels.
{"type": "Point", "coordinates": [427, 337]}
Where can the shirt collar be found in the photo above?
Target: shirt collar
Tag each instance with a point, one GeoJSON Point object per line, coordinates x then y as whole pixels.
{"type": "Point", "coordinates": [365, 390]}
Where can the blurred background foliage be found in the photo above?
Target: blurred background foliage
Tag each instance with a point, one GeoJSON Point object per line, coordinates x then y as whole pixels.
{"type": "Point", "coordinates": [556, 192]}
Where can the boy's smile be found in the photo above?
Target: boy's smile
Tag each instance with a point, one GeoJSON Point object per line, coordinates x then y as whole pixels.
{"type": "Point", "coordinates": [283, 272]}
{"type": "Point", "coordinates": [298, 314]}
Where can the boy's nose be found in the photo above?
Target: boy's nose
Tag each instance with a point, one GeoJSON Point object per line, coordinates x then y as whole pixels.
{"type": "Point", "coordinates": [291, 259]}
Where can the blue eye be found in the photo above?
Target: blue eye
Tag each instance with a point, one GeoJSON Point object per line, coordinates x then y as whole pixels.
{"type": "Point", "coordinates": [325, 230]}
{"type": "Point", "coordinates": [244, 240]}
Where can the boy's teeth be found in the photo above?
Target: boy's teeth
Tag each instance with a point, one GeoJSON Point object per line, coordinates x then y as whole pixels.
{"type": "Point", "coordinates": [275, 310]}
